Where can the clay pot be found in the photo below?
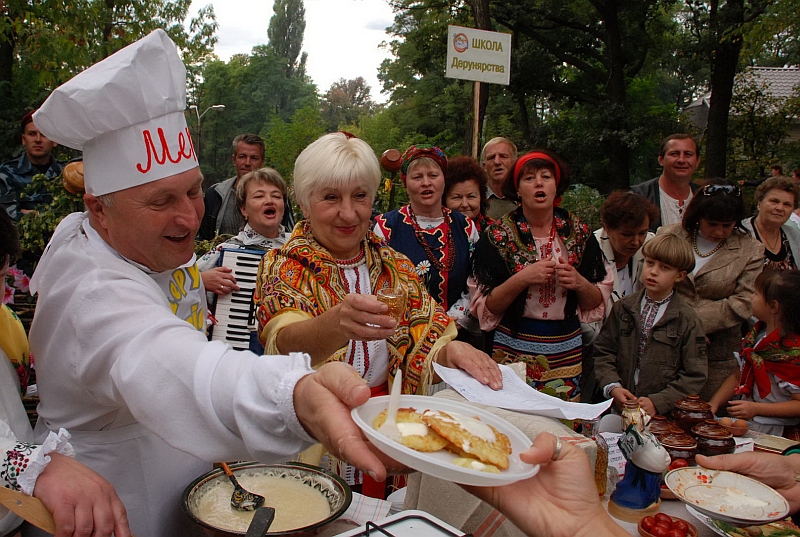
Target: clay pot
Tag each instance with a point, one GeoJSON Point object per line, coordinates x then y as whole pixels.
{"type": "Point", "coordinates": [679, 446]}
{"type": "Point", "coordinates": [661, 425]}
{"type": "Point", "coordinates": [713, 439]}
{"type": "Point", "coordinates": [690, 411]}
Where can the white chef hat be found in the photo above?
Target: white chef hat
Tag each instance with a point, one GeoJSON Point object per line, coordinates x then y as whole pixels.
{"type": "Point", "coordinates": [127, 115]}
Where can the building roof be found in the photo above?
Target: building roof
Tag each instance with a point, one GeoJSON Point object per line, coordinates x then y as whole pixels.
{"type": "Point", "coordinates": [782, 81]}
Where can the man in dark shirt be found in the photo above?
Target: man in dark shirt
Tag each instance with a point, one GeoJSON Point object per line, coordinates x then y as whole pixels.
{"type": "Point", "coordinates": [672, 191]}
{"type": "Point", "coordinates": [17, 174]}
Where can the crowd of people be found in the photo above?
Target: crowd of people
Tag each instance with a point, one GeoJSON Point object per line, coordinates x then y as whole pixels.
{"type": "Point", "coordinates": [679, 292]}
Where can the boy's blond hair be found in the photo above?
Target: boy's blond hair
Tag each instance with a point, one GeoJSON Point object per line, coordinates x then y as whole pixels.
{"type": "Point", "coordinates": [670, 250]}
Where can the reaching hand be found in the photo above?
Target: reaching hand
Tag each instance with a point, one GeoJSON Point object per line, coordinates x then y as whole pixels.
{"type": "Point", "coordinates": [461, 355]}
{"type": "Point", "coordinates": [621, 396]}
{"type": "Point", "coordinates": [774, 470]}
{"type": "Point", "coordinates": [323, 401]}
{"type": "Point", "coordinates": [363, 318]}
{"type": "Point", "coordinates": [741, 409]}
{"type": "Point", "coordinates": [82, 502]}
{"type": "Point", "coordinates": [647, 405]}
{"type": "Point", "coordinates": [561, 500]}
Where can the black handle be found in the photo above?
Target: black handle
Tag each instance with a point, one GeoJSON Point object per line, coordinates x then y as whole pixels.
{"type": "Point", "coordinates": [261, 522]}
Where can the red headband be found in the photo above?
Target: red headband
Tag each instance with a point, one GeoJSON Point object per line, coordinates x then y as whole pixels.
{"type": "Point", "coordinates": [521, 161]}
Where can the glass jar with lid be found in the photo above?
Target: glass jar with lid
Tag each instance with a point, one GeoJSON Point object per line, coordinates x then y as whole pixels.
{"type": "Point", "coordinates": [589, 430]}
{"type": "Point", "coordinates": [632, 413]}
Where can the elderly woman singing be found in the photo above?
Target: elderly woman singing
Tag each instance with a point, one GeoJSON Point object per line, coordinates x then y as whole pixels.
{"type": "Point", "coordinates": [316, 294]}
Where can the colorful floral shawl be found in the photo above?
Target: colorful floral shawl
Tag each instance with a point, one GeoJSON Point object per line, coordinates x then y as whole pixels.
{"type": "Point", "coordinates": [771, 356]}
{"type": "Point", "coordinates": [302, 277]}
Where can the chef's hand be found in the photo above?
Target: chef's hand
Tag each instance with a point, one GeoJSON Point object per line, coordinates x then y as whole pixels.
{"type": "Point", "coordinates": [82, 502]}
{"type": "Point", "coordinates": [219, 280]}
{"type": "Point", "coordinates": [774, 470]}
{"type": "Point", "coordinates": [322, 402]}
{"type": "Point", "coordinates": [561, 500]}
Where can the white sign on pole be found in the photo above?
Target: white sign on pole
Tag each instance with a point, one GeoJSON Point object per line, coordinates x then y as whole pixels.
{"type": "Point", "coordinates": [478, 55]}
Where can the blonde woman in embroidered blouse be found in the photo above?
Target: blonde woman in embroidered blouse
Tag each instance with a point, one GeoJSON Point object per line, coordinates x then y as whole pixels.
{"type": "Point", "coordinates": [727, 261]}
{"type": "Point", "coordinates": [316, 294]}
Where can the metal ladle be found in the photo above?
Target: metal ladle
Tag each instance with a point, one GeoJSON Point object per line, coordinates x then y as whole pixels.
{"type": "Point", "coordinates": [242, 499]}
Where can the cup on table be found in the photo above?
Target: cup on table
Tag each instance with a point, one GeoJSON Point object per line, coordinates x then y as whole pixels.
{"type": "Point", "coordinates": [395, 298]}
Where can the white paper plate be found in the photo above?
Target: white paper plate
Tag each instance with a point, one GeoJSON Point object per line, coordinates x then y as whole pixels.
{"type": "Point", "coordinates": [440, 464]}
{"type": "Point", "coordinates": [727, 496]}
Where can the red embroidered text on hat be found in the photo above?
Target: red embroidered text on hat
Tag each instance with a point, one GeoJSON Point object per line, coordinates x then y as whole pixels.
{"type": "Point", "coordinates": [127, 115]}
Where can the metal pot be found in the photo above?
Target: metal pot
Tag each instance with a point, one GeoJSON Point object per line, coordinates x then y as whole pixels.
{"type": "Point", "coordinates": [332, 487]}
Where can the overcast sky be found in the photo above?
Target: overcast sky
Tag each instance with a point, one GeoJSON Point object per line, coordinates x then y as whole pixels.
{"type": "Point", "coordinates": [342, 37]}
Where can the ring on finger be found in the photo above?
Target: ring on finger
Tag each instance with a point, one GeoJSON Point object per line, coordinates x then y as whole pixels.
{"type": "Point", "coordinates": [557, 451]}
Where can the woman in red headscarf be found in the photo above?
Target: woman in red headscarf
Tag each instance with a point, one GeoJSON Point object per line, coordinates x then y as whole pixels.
{"type": "Point", "coordinates": [532, 284]}
{"type": "Point", "coordinates": [438, 241]}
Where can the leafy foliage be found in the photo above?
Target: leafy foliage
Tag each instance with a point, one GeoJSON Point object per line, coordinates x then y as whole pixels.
{"type": "Point", "coordinates": [36, 228]}
{"type": "Point", "coordinates": [286, 29]}
{"type": "Point", "coordinates": [585, 202]}
{"type": "Point", "coordinates": [759, 129]}
{"type": "Point", "coordinates": [345, 102]}
{"type": "Point", "coordinates": [43, 44]}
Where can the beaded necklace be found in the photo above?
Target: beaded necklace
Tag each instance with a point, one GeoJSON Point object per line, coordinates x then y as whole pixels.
{"type": "Point", "coordinates": [547, 290]}
{"type": "Point", "coordinates": [352, 262]}
{"type": "Point", "coordinates": [709, 254]}
{"type": "Point", "coordinates": [449, 247]}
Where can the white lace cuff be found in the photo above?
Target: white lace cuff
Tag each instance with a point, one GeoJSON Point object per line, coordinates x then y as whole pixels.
{"type": "Point", "coordinates": [38, 459]}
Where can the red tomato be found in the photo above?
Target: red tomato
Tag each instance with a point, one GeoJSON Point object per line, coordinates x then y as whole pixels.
{"type": "Point", "coordinates": [681, 525]}
{"type": "Point", "coordinates": [660, 530]}
{"type": "Point", "coordinates": [662, 518]}
{"type": "Point", "coordinates": [648, 522]}
{"type": "Point", "coordinates": [678, 463]}
{"type": "Point", "coordinates": [675, 532]}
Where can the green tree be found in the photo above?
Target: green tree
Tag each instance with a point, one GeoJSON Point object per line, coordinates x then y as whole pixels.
{"type": "Point", "coordinates": [720, 28]}
{"type": "Point", "coordinates": [255, 92]}
{"type": "Point", "coordinates": [43, 44]}
{"type": "Point", "coordinates": [286, 139]}
{"type": "Point", "coordinates": [286, 29]}
{"type": "Point", "coordinates": [345, 102]}
{"type": "Point", "coordinates": [579, 69]}
{"type": "Point", "coordinates": [759, 128]}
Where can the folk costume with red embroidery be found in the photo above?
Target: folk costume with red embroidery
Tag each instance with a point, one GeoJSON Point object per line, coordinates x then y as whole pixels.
{"type": "Point", "coordinates": [772, 355]}
{"type": "Point", "coordinates": [541, 325]}
{"type": "Point", "coordinates": [301, 280]}
{"type": "Point", "coordinates": [440, 246]}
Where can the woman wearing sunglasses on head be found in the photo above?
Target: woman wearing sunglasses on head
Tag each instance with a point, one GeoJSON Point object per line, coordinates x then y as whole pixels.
{"type": "Point", "coordinates": [727, 261]}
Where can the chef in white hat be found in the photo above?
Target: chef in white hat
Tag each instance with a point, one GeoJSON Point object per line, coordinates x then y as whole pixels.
{"type": "Point", "coordinates": [121, 356]}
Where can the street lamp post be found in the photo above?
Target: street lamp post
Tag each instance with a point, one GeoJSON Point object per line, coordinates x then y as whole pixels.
{"type": "Point", "coordinates": [199, 119]}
